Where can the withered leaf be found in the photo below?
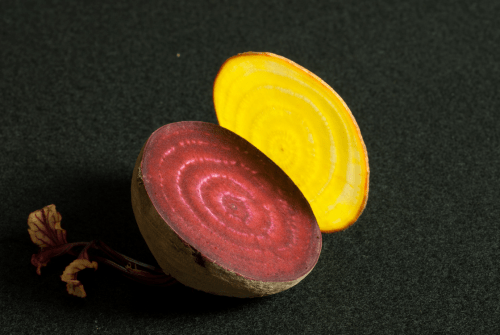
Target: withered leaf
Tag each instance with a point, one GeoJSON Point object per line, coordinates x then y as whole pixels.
{"type": "Point", "coordinates": [73, 285]}
{"type": "Point", "coordinates": [45, 227]}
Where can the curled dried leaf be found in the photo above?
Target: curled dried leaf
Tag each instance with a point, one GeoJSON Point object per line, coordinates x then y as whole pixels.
{"type": "Point", "coordinates": [45, 227]}
{"type": "Point", "coordinates": [73, 285]}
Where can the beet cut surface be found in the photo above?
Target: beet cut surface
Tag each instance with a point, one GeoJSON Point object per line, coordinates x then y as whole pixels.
{"type": "Point", "coordinates": [228, 204]}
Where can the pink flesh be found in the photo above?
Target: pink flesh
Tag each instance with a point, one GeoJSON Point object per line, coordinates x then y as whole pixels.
{"type": "Point", "coordinates": [230, 202]}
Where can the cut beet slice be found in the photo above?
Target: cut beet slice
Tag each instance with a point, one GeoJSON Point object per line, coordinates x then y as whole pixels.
{"type": "Point", "coordinates": [303, 125]}
{"type": "Point", "coordinates": [219, 215]}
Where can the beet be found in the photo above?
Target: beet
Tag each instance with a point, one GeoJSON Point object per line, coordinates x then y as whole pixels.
{"type": "Point", "coordinates": [302, 124]}
{"type": "Point", "coordinates": [220, 216]}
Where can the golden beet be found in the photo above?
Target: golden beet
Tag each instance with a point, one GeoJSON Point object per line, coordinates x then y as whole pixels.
{"type": "Point", "coordinates": [303, 125]}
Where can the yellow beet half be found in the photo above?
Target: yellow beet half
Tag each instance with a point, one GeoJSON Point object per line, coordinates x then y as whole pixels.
{"type": "Point", "coordinates": [303, 125]}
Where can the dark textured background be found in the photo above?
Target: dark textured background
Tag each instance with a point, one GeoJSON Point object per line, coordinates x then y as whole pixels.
{"type": "Point", "coordinates": [84, 84]}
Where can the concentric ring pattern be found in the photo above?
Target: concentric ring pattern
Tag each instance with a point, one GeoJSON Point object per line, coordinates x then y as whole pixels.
{"type": "Point", "coordinates": [298, 121]}
{"type": "Point", "coordinates": [230, 202]}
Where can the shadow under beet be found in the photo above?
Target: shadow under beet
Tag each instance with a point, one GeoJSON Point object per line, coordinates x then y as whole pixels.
{"type": "Point", "coordinates": [181, 300]}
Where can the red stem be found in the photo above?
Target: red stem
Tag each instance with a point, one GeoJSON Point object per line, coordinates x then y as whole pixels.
{"type": "Point", "coordinates": [129, 267]}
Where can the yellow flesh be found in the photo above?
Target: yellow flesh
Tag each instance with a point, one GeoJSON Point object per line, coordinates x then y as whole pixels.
{"type": "Point", "coordinates": [299, 122]}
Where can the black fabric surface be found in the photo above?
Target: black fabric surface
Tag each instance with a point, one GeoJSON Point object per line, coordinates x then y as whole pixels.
{"type": "Point", "coordinates": [84, 84]}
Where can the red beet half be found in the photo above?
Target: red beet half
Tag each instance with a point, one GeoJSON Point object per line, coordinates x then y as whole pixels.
{"type": "Point", "coordinates": [220, 216]}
